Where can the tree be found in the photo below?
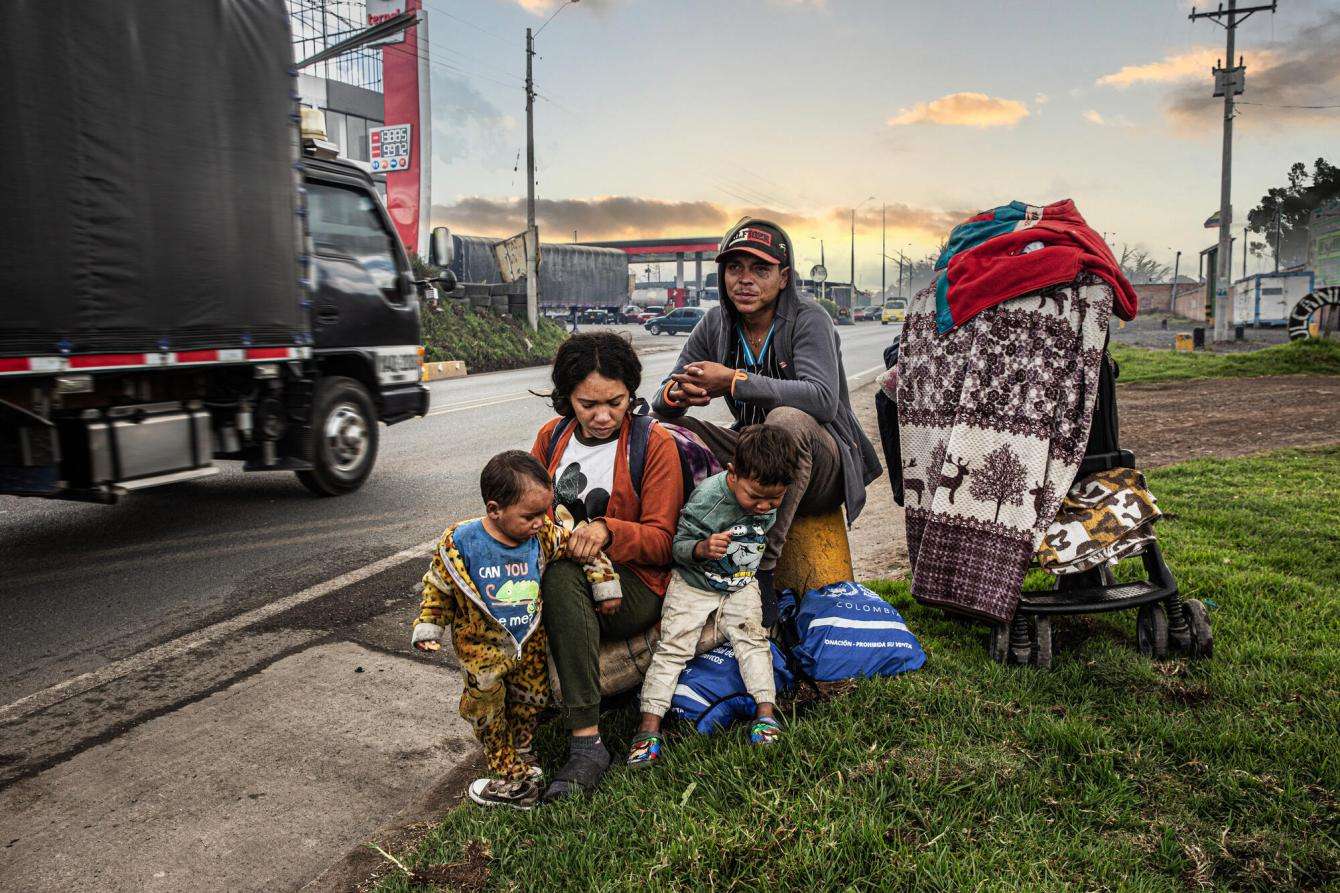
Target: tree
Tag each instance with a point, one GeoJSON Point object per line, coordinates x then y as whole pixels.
{"type": "Point", "coordinates": [1000, 479]}
{"type": "Point", "coordinates": [1289, 208]}
{"type": "Point", "coordinates": [1140, 267]}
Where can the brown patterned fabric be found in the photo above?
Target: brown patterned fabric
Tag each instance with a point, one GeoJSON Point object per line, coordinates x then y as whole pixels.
{"type": "Point", "coordinates": [1106, 517]}
{"type": "Point", "coordinates": [993, 421]}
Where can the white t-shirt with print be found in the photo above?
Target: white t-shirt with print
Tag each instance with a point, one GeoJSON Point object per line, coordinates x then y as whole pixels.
{"type": "Point", "coordinates": [585, 478]}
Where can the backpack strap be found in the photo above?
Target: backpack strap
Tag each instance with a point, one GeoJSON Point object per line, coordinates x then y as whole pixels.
{"type": "Point", "coordinates": [638, 438]}
{"type": "Point", "coordinates": [559, 430]}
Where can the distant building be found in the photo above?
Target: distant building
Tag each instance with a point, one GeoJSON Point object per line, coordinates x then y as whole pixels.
{"type": "Point", "coordinates": [348, 88]}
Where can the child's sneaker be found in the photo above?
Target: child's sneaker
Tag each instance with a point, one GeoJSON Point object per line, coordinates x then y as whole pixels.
{"type": "Point", "coordinates": [645, 750]}
{"type": "Point", "coordinates": [522, 794]}
{"type": "Point", "coordinates": [765, 731]}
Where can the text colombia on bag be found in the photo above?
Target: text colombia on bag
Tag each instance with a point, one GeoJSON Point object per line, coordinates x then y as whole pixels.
{"type": "Point", "coordinates": [844, 631]}
{"type": "Point", "coordinates": [711, 693]}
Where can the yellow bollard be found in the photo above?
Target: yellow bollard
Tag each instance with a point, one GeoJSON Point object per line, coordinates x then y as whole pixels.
{"type": "Point", "coordinates": [816, 553]}
{"type": "Point", "coordinates": [1183, 341]}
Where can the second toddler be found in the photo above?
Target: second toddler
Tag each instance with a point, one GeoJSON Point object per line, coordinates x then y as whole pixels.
{"type": "Point", "coordinates": [717, 548]}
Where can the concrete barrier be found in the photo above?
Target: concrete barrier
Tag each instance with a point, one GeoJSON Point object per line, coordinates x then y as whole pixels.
{"type": "Point", "coordinates": [447, 369]}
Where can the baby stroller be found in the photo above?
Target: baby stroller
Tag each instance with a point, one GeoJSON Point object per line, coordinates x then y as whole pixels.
{"type": "Point", "coordinates": [1165, 622]}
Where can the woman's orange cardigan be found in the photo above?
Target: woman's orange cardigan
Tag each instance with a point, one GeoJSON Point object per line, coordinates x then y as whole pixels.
{"type": "Point", "coordinates": [641, 530]}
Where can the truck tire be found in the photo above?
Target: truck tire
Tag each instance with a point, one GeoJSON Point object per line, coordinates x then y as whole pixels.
{"type": "Point", "coordinates": [344, 438]}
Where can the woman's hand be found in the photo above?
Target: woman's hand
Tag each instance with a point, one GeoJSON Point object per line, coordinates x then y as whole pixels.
{"type": "Point", "coordinates": [609, 607]}
{"type": "Point", "coordinates": [713, 379]}
{"type": "Point", "coordinates": [585, 543]}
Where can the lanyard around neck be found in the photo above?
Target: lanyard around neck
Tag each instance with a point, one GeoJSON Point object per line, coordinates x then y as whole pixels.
{"type": "Point", "coordinates": [749, 358]}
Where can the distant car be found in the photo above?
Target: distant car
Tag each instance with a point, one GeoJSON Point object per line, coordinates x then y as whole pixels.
{"type": "Point", "coordinates": [600, 316]}
{"type": "Point", "coordinates": [679, 320]}
{"type": "Point", "coordinates": [894, 310]}
{"type": "Point", "coordinates": [863, 314]}
{"type": "Point", "coordinates": [650, 312]}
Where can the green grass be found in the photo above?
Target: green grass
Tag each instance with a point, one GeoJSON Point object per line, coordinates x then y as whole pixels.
{"type": "Point", "coordinates": [486, 341]}
{"type": "Point", "coordinates": [1110, 772]}
{"type": "Point", "coordinates": [1307, 357]}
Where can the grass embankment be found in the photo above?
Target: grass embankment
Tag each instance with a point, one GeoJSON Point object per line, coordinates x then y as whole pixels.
{"type": "Point", "coordinates": [486, 341]}
{"type": "Point", "coordinates": [1307, 357]}
{"type": "Point", "coordinates": [1110, 772]}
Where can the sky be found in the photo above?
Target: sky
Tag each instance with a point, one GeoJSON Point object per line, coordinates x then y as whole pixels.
{"type": "Point", "coordinates": [676, 117]}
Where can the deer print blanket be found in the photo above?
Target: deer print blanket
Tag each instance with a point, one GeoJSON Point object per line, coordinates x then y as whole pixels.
{"type": "Point", "coordinates": [993, 420]}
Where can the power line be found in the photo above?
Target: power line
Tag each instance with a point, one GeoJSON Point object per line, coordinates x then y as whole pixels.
{"type": "Point", "coordinates": [1271, 105]}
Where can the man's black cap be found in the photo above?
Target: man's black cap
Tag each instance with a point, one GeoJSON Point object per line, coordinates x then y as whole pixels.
{"type": "Point", "coordinates": [762, 240]}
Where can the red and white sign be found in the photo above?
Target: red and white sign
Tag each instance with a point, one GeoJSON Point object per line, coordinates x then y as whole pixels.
{"type": "Point", "coordinates": [383, 10]}
{"type": "Point", "coordinates": [389, 147]}
{"type": "Point", "coordinates": [406, 100]}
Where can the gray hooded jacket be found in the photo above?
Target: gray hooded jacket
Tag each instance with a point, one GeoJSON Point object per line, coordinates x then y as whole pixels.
{"type": "Point", "coordinates": [810, 355]}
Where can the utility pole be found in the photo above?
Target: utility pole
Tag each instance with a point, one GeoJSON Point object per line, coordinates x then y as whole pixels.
{"type": "Point", "coordinates": [1231, 81]}
{"type": "Point", "coordinates": [1172, 289]}
{"type": "Point", "coordinates": [1246, 244]}
{"type": "Point", "coordinates": [532, 240]}
{"type": "Point", "coordinates": [882, 232]}
{"type": "Point", "coordinates": [852, 292]}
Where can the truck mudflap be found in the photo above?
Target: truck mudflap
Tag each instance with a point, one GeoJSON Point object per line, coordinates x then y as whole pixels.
{"type": "Point", "coordinates": [399, 404]}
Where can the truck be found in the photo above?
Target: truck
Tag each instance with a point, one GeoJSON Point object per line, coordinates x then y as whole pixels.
{"type": "Point", "coordinates": [1266, 299]}
{"type": "Point", "coordinates": [580, 276]}
{"type": "Point", "coordinates": [185, 278]}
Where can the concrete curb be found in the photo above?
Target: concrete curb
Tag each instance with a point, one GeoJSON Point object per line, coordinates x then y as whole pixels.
{"type": "Point", "coordinates": [439, 371]}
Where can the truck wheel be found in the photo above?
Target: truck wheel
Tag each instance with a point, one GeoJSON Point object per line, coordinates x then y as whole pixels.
{"type": "Point", "coordinates": [344, 438]}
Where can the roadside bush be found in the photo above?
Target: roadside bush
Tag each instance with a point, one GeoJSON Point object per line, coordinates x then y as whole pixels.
{"type": "Point", "coordinates": [486, 341]}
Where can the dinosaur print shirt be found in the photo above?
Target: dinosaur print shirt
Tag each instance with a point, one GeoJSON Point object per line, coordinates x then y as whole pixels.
{"type": "Point", "coordinates": [584, 480]}
{"type": "Point", "coordinates": [507, 577]}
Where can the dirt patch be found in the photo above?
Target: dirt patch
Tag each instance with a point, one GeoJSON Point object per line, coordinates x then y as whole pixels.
{"type": "Point", "coordinates": [1167, 422]}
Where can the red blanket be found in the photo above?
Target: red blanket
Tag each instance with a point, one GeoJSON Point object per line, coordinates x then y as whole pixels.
{"type": "Point", "coordinates": [999, 269]}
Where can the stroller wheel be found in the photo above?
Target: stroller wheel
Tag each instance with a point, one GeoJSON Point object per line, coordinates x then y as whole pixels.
{"type": "Point", "coordinates": [1151, 631]}
{"type": "Point", "coordinates": [1041, 656]}
{"type": "Point", "coordinates": [1202, 637]}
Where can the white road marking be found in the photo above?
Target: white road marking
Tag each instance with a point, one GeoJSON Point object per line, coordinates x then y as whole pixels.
{"type": "Point", "coordinates": [77, 685]}
{"type": "Point", "coordinates": [480, 404]}
{"type": "Point", "coordinates": [864, 372]}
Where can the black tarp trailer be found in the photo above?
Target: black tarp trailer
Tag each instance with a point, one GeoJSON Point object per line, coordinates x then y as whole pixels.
{"type": "Point", "coordinates": [178, 282]}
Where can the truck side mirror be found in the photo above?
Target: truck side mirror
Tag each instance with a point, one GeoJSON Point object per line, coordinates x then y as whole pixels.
{"type": "Point", "coordinates": [440, 253]}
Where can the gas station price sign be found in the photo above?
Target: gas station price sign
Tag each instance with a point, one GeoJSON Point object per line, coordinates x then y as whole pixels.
{"type": "Point", "coordinates": [389, 147]}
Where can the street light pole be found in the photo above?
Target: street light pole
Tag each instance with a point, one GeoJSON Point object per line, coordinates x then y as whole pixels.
{"type": "Point", "coordinates": [532, 240]}
{"type": "Point", "coordinates": [883, 234]}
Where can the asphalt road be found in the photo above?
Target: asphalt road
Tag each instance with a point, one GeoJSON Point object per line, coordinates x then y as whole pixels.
{"type": "Point", "coordinates": [85, 585]}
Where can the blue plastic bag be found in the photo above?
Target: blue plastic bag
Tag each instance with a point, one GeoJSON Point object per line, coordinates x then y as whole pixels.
{"type": "Point", "coordinates": [711, 693]}
{"type": "Point", "coordinates": [845, 631]}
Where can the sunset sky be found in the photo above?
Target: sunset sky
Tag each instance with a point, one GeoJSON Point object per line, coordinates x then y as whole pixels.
{"type": "Point", "coordinates": [674, 117]}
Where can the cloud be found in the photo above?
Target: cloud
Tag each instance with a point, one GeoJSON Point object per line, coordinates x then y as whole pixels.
{"type": "Point", "coordinates": [1303, 70]}
{"type": "Point", "coordinates": [629, 217]}
{"type": "Point", "coordinates": [544, 7]}
{"type": "Point", "coordinates": [963, 110]}
{"type": "Point", "coordinates": [1194, 63]}
{"type": "Point", "coordinates": [465, 123]}
{"type": "Point", "coordinates": [1093, 116]}
{"type": "Point", "coordinates": [1041, 99]}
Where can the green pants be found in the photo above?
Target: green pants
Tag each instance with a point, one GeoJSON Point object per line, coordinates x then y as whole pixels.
{"type": "Point", "coordinates": [576, 630]}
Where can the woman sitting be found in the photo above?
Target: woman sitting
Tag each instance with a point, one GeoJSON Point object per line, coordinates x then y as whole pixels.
{"type": "Point", "coordinates": [586, 450]}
